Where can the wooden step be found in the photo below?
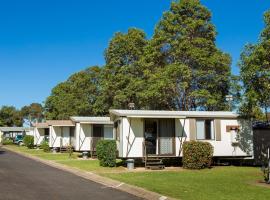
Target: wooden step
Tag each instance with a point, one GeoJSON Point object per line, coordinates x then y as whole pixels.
{"type": "Point", "coordinates": [156, 167]}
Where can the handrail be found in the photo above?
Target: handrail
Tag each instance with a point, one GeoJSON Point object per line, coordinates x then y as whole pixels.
{"type": "Point", "coordinates": [145, 153]}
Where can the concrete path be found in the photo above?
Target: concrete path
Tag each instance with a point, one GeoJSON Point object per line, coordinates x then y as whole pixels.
{"type": "Point", "coordinates": [25, 179]}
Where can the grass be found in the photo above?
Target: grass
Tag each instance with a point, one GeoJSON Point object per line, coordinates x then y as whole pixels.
{"type": "Point", "coordinates": [63, 158]}
{"type": "Point", "coordinates": [223, 183]}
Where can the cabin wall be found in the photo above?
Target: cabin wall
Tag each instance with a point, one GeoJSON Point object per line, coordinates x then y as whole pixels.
{"type": "Point", "coordinates": [38, 136]}
{"type": "Point", "coordinates": [181, 129]}
{"type": "Point", "coordinates": [132, 137]}
{"type": "Point", "coordinates": [65, 136]}
{"type": "Point", "coordinates": [130, 144]}
{"type": "Point", "coordinates": [224, 147]}
{"type": "Point", "coordinates": [83, 133]}
{"type": "Point", "coordinates": [1, 136]}
{"type": "Point", "coordinates": [55, 137]}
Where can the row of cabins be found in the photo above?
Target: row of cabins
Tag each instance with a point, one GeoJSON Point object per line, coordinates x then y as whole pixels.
{"type": "Point", "coordinates": [12, 132]}
{"type": "Point", "coordinates": [156, 133]}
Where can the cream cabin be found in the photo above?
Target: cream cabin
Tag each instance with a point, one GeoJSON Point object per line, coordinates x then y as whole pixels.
{"type": "Point", "coordinates": [62, 133]}
{"type": "Point", "coordinates": [89, 130]}
{"type": "Point", "coordinates": [41, 133]}
{"type": "Point", "coordinates": [162, 133]}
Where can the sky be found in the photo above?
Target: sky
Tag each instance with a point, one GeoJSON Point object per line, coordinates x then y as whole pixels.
{"type": "Point", "coordinates": [42, 42]}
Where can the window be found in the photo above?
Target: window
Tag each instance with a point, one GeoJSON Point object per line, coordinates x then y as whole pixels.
{"type": "Point", "coordinates": [117, 125]}
{"type": "Point", "coordinates": [108, 132]}
{"type": "Point", "coordinates": [72, 131]}
{"type": "Point", "coordinates": [97, 131]}
{"type": "Point", "coordinates": [205, 129]}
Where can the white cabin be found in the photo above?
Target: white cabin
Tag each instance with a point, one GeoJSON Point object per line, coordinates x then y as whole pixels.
{"type": "Point", "coordinates": [61, 133]}
{"type": "Point", "coordinates": [89, 130]}
{"type": "Point", "coordinates": [162, 133]}
{"type": "Point", "coordinates": [11, 132]}
{"type": "Point", "coordinates": [41, 133]}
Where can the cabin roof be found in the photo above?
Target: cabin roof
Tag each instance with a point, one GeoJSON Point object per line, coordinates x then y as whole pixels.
{"type": "Point", "coordinates": [171, 114]}
{"type": "Point", "coordinates": [15, 129]}
{"type": "Point", "coordinates": [92, 120]}
{"type": "Point", "coordinates": [60, 123]}
{"type": "Point", "coordinates": [41, 125]}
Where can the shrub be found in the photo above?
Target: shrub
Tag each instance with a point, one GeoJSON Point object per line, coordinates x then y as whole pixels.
{"type": "Point", "coordinates": [28, 141]}
{"type": "Point", "coordinates": [106, 153]}
{"type": "Point", "coordinates": [197, 155]}
{"type": "Point", "coordinates": [70, 150]}
{"type": "Point", "coordinates": [7, 141]}
{"type": "Point", "coordinates": [45, 146]}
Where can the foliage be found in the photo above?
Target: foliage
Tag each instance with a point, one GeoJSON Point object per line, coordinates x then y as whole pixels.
{"type": "Point", "coordinates": [179, 68]}
{"type": "Point", "coordinates": [122, 76]}
{"type": "Point", "coordinates": [106, 153]}
{"type": "Point", "coordinates": [32, 113]}
{"type": "Point", "coordinates": [10, 116]}
{"type": "Point", "coordinates": [76, 96]}
{"type": "Point", "coordinates": [266, 174]}
{"type": "Point", "coordinates": [70, 150]}
{"type": "Point", "coordinates": [28, 141]}
{"type": "Point", "coordinates": [197, 154]}
{"type": "Point", "coordinates": [255, 75]}
{"type": "Point", "coordinates": [45, 146]}
{"type": "Point", "coordinates": [184, 43]}
{"type": "Point", "coordinates": [7, 141]}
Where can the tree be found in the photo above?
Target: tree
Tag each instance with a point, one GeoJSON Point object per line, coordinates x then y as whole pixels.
{"type": "Point", "coordinates": [10, 116]}
{"type": "Point", "coordinates": [184, 40]}
{"type": "Point", "coordinates": [122, 75]}
{"type": "Point", "coordinates": [255, 75]}
{"type": "Point", "coordinates": [76, 96]}
{"type": "Point", "coordinates": [32, 113]}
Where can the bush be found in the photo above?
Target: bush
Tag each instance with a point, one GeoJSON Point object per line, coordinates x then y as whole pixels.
{"type": "Point", "coordinates": [106, 153]}
{"type": "Point", "coordinates": [7, 141]}
{"type": "Point", "coordinates": [197, 155]}
{"type": "Point", "coordinates": [28, 141]}
{"type": "Point", "coordinates": [45, 146]}
{"type": "Point", "coordinates": [70, 150]}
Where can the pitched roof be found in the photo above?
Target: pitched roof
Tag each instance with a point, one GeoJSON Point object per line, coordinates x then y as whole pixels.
{"type": "Point", "coordinates": [15, 129]}
{"type": "Point", "coordinates": [171, 114]}
{"type": "Point", "coordinates": [92, 120]}
{"type": "Point", "coordinates": [41, 125]}
{"type": "Point", "coordinates": [60, 123]}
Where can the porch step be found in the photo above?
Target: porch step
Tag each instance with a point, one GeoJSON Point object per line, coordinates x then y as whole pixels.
{"type": "Point", "coordinates": [64, 149]}
{"type": "Point", "coordinates": [153, 163]}
{"type": "Point", "coordinates": [157, 167]}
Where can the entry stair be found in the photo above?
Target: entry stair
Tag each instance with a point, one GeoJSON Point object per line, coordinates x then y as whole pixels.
{"type": "Point", "coordinates": [154, 163]}
{"type": "Point", "coordinates": [64, 149]}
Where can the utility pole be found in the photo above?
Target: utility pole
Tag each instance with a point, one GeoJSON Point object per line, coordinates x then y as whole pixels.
{"type": "Point", "coordinates": [229, 99]}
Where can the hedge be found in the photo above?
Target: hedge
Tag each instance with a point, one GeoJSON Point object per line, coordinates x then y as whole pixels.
{"type": "Point", "coordinates": [28, 141]}
{"type": "Point", "coordinates": [7, 141]}
{"type": "Point", "coordinates": [197, 154]}
{"type": "Point", "coordinates": [106, 153]}
{"type": "Point", "coordinates": [45, 146]}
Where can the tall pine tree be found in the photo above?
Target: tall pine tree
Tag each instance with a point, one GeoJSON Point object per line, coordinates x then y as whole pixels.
{"type": "Point", "coordinates": [255, 75]}
{"type": "Point", "coordinates": [183, 52]}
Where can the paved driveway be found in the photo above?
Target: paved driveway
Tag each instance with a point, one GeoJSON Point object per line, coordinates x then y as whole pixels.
{"type": "Point", "coordinates": [25, 179]}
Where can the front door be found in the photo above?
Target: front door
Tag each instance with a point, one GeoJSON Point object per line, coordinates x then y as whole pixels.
{"type": "Point", "coordinates": [97, 135]}
{"type": "Point", "coordinates": [150, 135]}
{"type": "Point", "coordinates": [167, 137]}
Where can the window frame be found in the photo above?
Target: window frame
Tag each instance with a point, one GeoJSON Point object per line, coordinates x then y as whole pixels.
{"type": "Point", "coordinates": [214, 131]}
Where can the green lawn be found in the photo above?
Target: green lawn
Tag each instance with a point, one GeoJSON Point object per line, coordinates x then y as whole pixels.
{"type": "Point", "coordinates": [219, 183]}
{"type": "Point", "coordinates": [63, 158]}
